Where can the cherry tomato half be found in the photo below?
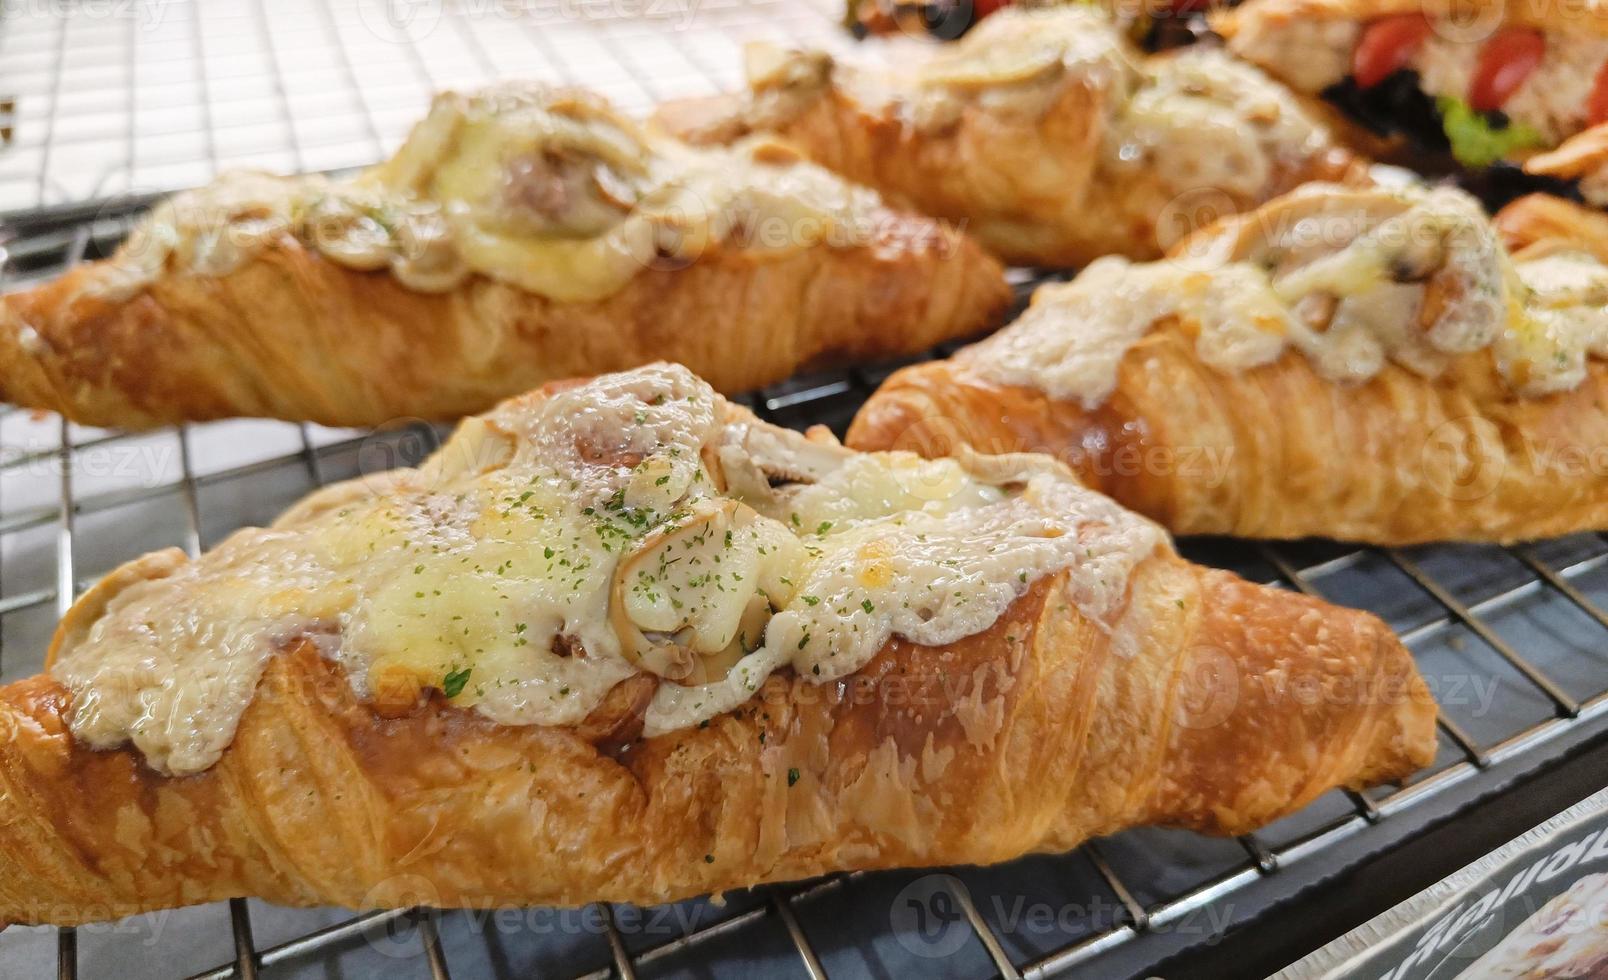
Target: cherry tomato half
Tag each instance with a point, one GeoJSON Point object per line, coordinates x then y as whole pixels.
{"type": "Point", "coordinates": [1597, 108]}
{"type": "Point", "coordinates": [1386, 46]}
{"type": "Point", "coordinates": [1506, 60]}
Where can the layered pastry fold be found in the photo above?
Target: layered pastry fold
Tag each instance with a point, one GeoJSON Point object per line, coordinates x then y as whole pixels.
{"type": "Point", "coordinates": [621, 641]}
{"type": "Point", "coordinates": [1363, 364]}
{"type": "Point", "coordinates": [520, 234]}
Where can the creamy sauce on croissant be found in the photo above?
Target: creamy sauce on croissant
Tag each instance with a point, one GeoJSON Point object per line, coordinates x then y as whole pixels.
{"type": "Point", "coordinates": [1016, 64]}
{"type": "Point", "coordinates": [1202, 119]}
{"type": "Point", "coordinates": [553, 548]}
{"type": "Point", "coordinates": [1351, 279]}
{"type": "Point", "coordinates": [1195, 118]}
{"type": "Point", "coordinates": [545, 189]}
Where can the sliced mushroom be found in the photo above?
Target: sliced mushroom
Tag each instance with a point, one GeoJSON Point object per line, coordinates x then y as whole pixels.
{"type": "Point", "coordinates": [696, 594]}
{"type": "Point", "coordinates": [617, 720]}
{"type": "Point", "coordinates": [756, 458]}
{"type": "Point", "coordinates": [344, 232]}
{"type": "Point", "coordinates": [1293, 230]}
{"type": "Point", "coordinates": [426, 259]}
{"type": "Point", "coordinates": [413, 165]}
{"type": "Point", "coordinates": [1012, 58]}
{"type": "Point", "coordinates": [771, 66]}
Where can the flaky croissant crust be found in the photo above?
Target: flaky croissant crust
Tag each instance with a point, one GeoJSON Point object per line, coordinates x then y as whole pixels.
{"type": "Point", "coordinates": [1278, 451]}
{"type": "Point", "coordinates": [1030, 736]}
{"type": "Point", "coordinates": [295, 336]}
{"type": "Point", "coordinates": [1031, 187]}
{"type": "Point", "coordinates": [1207, 702]}
{"type": "Point", "coordinates": [1542, 221]}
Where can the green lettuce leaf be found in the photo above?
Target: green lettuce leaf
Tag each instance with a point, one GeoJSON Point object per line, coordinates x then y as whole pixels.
{"type": "Point", "coordinates": [1475, 142]}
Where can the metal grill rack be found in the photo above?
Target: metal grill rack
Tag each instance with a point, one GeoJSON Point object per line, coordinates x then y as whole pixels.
{"type": "Point", "coordinates": [1512, 640]}
{"type": "Point", "coordinates": [1515, 641]}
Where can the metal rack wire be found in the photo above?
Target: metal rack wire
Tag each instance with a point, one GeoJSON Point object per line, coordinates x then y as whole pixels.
{"type": "Point", "coordinates": [1565, 573]}
{"type": "Point", "coordinates": [104, 100]}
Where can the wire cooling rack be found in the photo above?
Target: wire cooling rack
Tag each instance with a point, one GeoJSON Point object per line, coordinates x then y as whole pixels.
{"type": "Point", "coordinates": [1513, 641]}
{"type": "Point", "coordinates": [117, 97]}
{"type": "Point", "coordinates": [131, 97]}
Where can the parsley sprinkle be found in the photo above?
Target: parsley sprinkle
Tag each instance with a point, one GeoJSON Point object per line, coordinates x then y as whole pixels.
{"type": "Point", "coordinates": [866, 605]}
{"type": "Point", "coordinates": [811, 600]}
{"type": "Point", "coordinates": [452, 684]}
{"type": "Point", "coordinates": [792, 776]}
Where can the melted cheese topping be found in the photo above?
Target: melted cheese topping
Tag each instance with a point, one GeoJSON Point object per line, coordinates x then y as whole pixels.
{"type": "Point", "coordinates": [1015, 64]}
{"type": "Point", "coordinates": [555, 547]}
{"type": "Point", "coordinates": [1018, 64]}
{"type": "Point", "coordinates": [548, 190]}
{"type": "Point", "coordinates": [1195, 118]}
{"type": "Point", "coordinates": [1566, 321]}
{"type": "Point", "coordinates": [1204, 119]}
{"type": "Point", "coordinates": [1351, 279]}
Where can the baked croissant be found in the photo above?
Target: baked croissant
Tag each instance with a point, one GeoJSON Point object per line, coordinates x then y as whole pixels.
{"type": "Point", "coordinates": [1581, 160]}
{"type": "Point", "coordinates": [1541, 218]}
{"type": "Point", "coordinates": [1369, 365]}
{"type": "Point", "coordinates": [1045, 131]}
{"type": "Point", "coordinates": [520, 234]}
{"type": "Point", "coordinates": [1487, 80]}
{"type": "Point", "coordinates": [621, 641]}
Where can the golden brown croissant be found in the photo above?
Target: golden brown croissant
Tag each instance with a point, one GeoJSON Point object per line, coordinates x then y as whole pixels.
{"type": "Point", "coordinates": [1364, 365]}
{"type": "Point", "coordinates": [521, 234]}
{"type": "Point", "coordinates": [1541, 219]}
{"type": "Point", "coordinates": [622, 641]}
{"type": "Point", "coordinates": [1490, 80]}
{"type": "Point", "coordinates": [1046, 132]}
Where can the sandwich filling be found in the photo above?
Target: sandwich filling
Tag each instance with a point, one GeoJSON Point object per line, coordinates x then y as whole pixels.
{"type": "Point", "coordinates": [559, 546]}
{"type": "Point", "coordinates": [1486, 91]}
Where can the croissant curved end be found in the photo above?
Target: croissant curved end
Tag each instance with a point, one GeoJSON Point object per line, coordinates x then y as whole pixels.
{"type": "Point", "coordinates": [91, 606]}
